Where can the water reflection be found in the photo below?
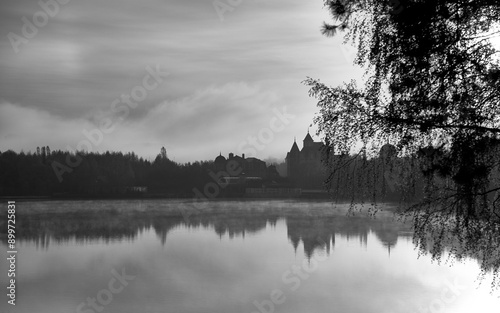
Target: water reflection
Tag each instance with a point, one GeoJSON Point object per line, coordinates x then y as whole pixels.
{"type": "Point", "coordinates": [312, 224]}
{"type": "Point", "coordinates": [311, 231]}
{"type": "Point", "coordinates": [227, 257]}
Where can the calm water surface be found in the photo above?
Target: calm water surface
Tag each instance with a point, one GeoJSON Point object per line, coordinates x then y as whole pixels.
{"type": "Point", "coordinates": [228, 256]}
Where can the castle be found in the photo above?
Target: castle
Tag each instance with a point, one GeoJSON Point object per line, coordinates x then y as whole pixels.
{"type": "Point", "coordinates": [304, 167]}
{"type": "Point", "coordinates": [251, 167]}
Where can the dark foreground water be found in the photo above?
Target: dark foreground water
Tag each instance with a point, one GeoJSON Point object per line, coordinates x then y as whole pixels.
{"type": "Point", "coordinates": [231, 256]}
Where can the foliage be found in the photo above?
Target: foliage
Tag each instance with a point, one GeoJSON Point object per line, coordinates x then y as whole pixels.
{"type": "Point", "coordinates": [432, 88]}
{"type": "Point", "coordinates": [98, 174]}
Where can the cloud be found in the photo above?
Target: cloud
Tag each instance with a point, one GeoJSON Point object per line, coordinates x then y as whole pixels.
{"type": "Point", "coordinates": [225, 76]}
{"type": "Point", "coordinates": [214, 119]}
{"type": "Point", "coordinates": [26, 128]}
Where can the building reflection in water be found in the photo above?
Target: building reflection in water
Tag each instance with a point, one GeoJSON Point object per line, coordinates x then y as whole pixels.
{"type": "Point", "coordinates": [315, 227]}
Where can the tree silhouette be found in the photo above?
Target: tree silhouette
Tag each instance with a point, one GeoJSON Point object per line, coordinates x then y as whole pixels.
{"type": "Point", "coordinates": [109, 174]}
{"type": "Point", "coordinates": [163, 153]}
{"type": "Point", "coordinates": [432, 89]}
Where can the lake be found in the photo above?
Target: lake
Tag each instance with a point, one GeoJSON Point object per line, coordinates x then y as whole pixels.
{"type": "Point", "coordinates": [180, 256]}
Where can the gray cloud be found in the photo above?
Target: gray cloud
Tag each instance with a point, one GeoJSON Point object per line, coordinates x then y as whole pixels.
{"type": "Point", "coordinates": [224, 76]}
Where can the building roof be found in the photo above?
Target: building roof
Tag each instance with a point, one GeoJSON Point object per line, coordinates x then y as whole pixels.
{"type": "Point", "coordinates": [220, 158]}
{"type": "Point", "coordinates": [308, 138]}
{"type": "Point", "coordinates": [313, 146]}
{"type": "Point", "coordinates": [252, 159]}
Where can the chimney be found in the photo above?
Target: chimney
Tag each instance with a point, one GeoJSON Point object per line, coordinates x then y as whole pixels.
{"type": "Point", "coordinates": [231, 155]}
{"type": "Point", "coordinates": [243, 156]}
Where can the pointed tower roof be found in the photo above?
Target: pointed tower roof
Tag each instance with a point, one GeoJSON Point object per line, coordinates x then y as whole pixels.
{"type": "Point", "coordinates": [295, 148]}
{"type": "Point", "coordinates": [308, 138]}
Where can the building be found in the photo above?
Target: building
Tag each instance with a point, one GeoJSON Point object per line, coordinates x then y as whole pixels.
{"type": "Point", "coordinates": [238, 173]}
{"type": "Point", "coordinates": [305, 167]}
{"type": "Point", "coordinates": [251, 167]}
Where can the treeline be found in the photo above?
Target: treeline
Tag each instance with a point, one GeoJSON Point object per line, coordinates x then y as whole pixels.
{"type": "Point", "coordinates": [48, 173]}
{"type": "Point", "coordinates": [384, 178]}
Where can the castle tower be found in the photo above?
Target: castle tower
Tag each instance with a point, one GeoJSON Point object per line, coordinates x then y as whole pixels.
{"type": "Point", "coordinates": [292, 161]}
{"type": "Point", "coordinates": [308, 141]}
{"type": "Point", "coordinates": [220, 163]}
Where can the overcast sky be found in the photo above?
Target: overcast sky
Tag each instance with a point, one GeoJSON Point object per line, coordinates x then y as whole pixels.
{"type": "Point", "coordinates": [229, 73]}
